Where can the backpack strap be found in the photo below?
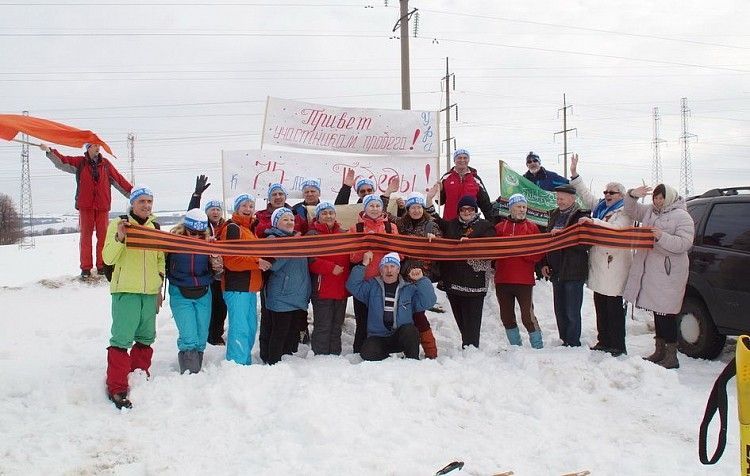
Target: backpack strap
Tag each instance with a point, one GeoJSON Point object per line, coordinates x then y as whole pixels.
{"type": "Point", "coordinates": [360, 227]}
{"type": "Point", "coordinates": [388, 227]}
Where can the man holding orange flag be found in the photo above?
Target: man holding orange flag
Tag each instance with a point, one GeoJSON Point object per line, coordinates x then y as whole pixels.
{"type": "Point", "coordinates": [94, 176]}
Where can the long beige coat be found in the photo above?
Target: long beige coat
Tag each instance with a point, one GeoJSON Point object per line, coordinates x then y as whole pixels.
{"type": "Point", "coordinates": [608, 267]}
{"type": "Point", "coordinates": [658, 276]}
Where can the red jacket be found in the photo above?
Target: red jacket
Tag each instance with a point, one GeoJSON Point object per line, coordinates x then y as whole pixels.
{"type": "Point", "coordinates": [327, 285]}
{"type": "Point", "coordinates": [371, 226]}
{"type": "Point", "coordinates": [263, 222]}
{"type": "Point", "coordinates": [454, 186]}
{"type": "Point", "coordinates": [92, 194]}
{"type": "Point", "coordinates": [516, 270]}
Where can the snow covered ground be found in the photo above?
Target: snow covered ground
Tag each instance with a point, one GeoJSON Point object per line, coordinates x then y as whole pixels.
{"type": "Point", "coordinates": [543, 412]}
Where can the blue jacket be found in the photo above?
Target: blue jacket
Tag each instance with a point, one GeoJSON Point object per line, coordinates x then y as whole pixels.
{"type": "Point", "coordinates": [188, 270]}
{"type": "Point", "coordinates": [545, 179]}
{"type": "Point", "coordinates": [288, 287]}
{"type": "Point", "coordinates": [410, 298]}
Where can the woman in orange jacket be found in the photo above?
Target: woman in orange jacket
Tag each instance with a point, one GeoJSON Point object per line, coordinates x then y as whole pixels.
{"type": "Point", "coordinates": [241, 281]}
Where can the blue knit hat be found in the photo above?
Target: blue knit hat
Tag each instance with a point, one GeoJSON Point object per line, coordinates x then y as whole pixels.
{"type": "Point", "coordinates": [196, 220]}
{"type": "Point", "coordinates": [364, 181]}
{"type": "Point", "coordinates": [241, 198]}
{"type": "Point", "coordinates": [274, 187]}
{"type": "Point", "coordinates": [460, 152]}
{"type": "Point", "coordinates": [323, 206]}
{"type": "Point", "coordinates": [372, 198]}
{"type": "Point", "coordinates": [415, 198]}
{"type": "Point", "coordinates": [516, 198]}
{"type": "Point", "coordinates": [390, 258]}
{"type": "Point", "coordinates": [278, 213]}
{"type": "Point", "coordinates": [138, 191]}
{"type": "Point", "coordinates": [311, 182]}
{"type": "Point", "coordinates": [213, 204]}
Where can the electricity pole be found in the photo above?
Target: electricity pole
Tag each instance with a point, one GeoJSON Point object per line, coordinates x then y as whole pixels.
{"type": "Point", "coordinates": [27, 210]}
{"type": "Point", "coordinates": [656, 171]}
{"type": "Point", "coordinates": [447, 109]}
{"type": "Point", "coordinates": [686, 165]}
{"type": "Point", "coordinates": [564, 132]}
{"type": "Point", "coordinates": [131, 156]}
{"type": "Point", "coordinates": [403, 24]}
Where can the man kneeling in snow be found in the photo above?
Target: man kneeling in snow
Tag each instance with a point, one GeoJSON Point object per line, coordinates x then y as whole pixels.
{"type": "Point", "coordinates": [391, 302]}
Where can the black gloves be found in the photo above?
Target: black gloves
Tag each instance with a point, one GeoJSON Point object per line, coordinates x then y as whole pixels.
{"type": "Point", "coordinates": [201, 184]}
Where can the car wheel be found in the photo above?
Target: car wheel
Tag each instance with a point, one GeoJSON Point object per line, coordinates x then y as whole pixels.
{"type": "Point", "coordinates": [698, 335]}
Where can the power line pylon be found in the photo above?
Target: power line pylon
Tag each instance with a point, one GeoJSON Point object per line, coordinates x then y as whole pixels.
{"type": "Point", "coordinates": [447, 78]}
{"type": "Point", "coordinates": [25, 205]}
{"type": "Point", "coordinates": [686, 166]}
{"type": "Point", "coordinates": [564, 132]}
{"type": "Point", "coordinates": [656, 170]}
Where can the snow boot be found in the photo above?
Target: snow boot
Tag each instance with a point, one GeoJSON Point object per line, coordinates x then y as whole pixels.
{"type": "Point", "coordinates": [514, 336]}
{"type": "Point", "coordinates": [181, 361]}
{"type": "Point", "coordinates": [429, 345]}
{"type": "Point", "coordinates": [535, 338]}
{"type": "Point", "coordinates": [200, 360]}
{"type": "Point", "coordinates": [120, 400]}
{"type": "Point", "coordinates": [658, 354]}
{"type": "Point", "coordinates": [192, 361]}
{"type": "Point", "coordinates": [140, 357]}
{"type": "Point", "coordinates": [670, 357]}
{"type": "Point", "coordinates": [118, 368]}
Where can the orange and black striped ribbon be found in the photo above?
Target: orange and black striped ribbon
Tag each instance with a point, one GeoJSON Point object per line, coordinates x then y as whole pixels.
{"type": "Point", "coordinates": [438, 249]}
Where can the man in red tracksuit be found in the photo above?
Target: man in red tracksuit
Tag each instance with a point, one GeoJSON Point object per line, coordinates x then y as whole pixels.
{"type": "Point", "coordinates": [459, 181]}
{"type": "Point", "coordinates": [94, 176]}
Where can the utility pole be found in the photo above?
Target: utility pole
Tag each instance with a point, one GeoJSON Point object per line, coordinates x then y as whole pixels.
{"type": "Point", "coordinates": [686, 172]}
{"type": "Point", "coordinates": [403, 24]}
{"type": "Point", "coordinates": [564, 132]}
{"type": "Point", "coordinates": [447, 109]}
{"type": "Point", "coordinates": [27, 210]}
{"type": "Point", "coordinates": [656, 171]}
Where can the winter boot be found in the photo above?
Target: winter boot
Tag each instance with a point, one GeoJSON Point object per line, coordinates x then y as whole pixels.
{"type": "Point", "coordinates": [200, 360]}
{"type": "Point", "coordinates": [120, 400]}
{"type": "Point", "coordinates": [670, 357]}
{"type": "Point", "coordinates": [181, 361]}
{"type": "Point", "coordinates": [140, 357]}
{"type": "Point", "coordinates": [429, 345]}
{"type": "Point", "coordinates": [118, 368]}
{"type": "Point", "coordinates": [514, 336]}
{"type": "Point", "coordinates": [191, 361]}
{"type": "Point", "coordinates": [536, 339]}
{"type": "Point", "coordinates": [658, 354]}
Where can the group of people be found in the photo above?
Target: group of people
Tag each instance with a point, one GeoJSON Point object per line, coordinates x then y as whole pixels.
{"type": "Point", "coordinates": [391, 291]}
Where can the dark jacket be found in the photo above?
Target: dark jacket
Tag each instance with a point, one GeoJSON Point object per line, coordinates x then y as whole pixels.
{"type": "Point", "coordinates": [454, 186]}
{"type": "Point", "coordinates": [410, 299]}
{"type": "Point", "coordinates": [189, 270]}
{"type": "Point", "coordinates": [545, 179]}
{"type": "Point", "coordinates": [572, 263]}
{"type": "Point", "coordinates": [467, 277]}
{"type": "Point", "coordinates": [93, 179]}
{"type": "Point", "coordinates": [407, 226]}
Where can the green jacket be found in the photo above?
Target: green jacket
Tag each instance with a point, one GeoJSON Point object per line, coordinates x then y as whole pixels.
{"type": "Point", "coordinates": [136, 271]}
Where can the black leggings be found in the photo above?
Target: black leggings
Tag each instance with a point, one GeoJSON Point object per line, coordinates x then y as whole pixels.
{"type": "Point", "coordinates": [666, 327]}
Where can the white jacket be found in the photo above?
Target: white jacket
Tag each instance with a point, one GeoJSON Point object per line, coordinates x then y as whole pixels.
{"type": "Point", "coordinates": [608, 267]}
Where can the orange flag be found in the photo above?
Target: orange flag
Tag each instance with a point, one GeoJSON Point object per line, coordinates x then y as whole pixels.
{"type": "Point", "coordinates": [12, 124]}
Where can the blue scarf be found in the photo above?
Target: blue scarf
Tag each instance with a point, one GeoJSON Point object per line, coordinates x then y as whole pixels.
{"type": "Point", "coordinates": [602, 210]}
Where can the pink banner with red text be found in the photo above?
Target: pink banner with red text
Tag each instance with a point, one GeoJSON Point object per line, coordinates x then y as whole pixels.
{"type": "Point", "coordinates": [350, 130]}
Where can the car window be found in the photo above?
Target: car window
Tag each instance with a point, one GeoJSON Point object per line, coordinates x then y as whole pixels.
{"type": "Point", "coordinates": [728, 226]}
{"type": "Point", "coordinates": [696, 211]}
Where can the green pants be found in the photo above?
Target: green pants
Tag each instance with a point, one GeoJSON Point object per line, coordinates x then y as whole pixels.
{"type": "Point", "coordinates": [133, 319]}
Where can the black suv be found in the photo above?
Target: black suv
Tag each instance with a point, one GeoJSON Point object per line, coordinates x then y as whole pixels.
{"type": "Point", "coordinates": [717, 299]}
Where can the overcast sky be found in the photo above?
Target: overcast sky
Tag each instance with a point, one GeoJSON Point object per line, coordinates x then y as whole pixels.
{"type": "Point", "coordinates": [191, 78]}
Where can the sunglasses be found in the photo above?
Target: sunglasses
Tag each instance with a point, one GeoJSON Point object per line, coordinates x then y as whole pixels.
{"type": "Point", "coordinates": [532, 161]}
{"type": "Point", "coordinates": [610, 192]}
